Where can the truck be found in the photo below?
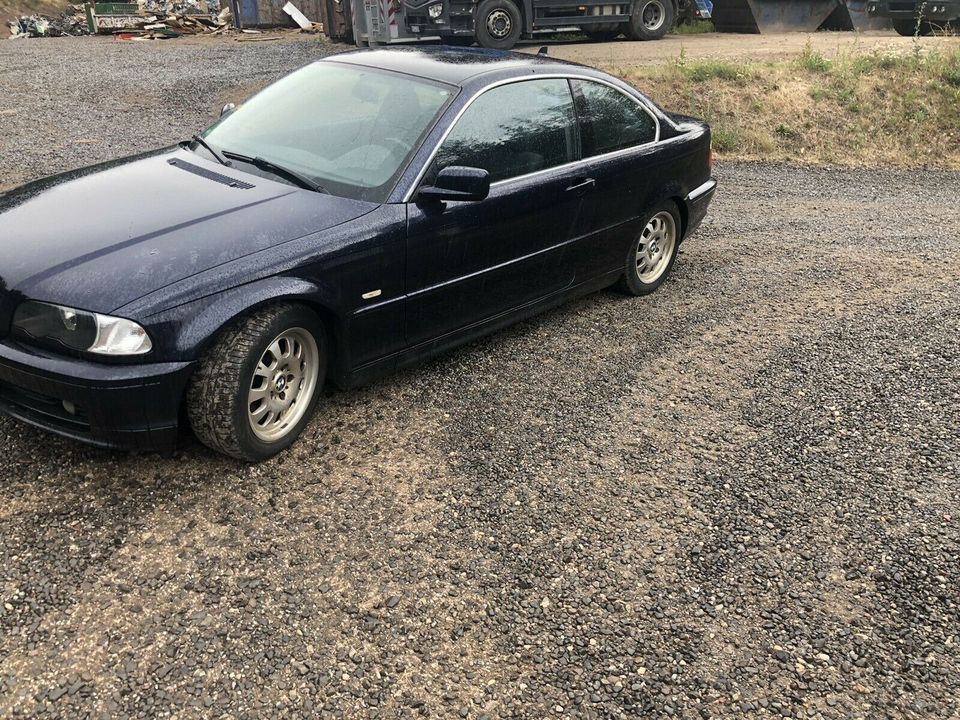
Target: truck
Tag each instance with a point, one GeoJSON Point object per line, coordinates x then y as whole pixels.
{"type": "Point", "coordinates": [497, 24]}
{"type": "Point", "coordinates": [916, 18]}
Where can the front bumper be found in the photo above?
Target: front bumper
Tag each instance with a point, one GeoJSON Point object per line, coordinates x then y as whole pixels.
{"type": "Point", "coordinates": [697, 202]}
{"type": "Point", "coordinates": [456, 19]}
{"type": "Point", "coordinates": [116, 406]}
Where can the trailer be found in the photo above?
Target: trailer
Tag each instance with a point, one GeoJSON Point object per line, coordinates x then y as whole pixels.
{"type": "Point", "coordinates": [771, 16]}
{"type": "Point", "coordinates": [497, 24]}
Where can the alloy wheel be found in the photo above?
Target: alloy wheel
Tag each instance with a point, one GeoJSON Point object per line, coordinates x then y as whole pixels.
{"type": "Point", "coordinates": [655, 248]}
{"type": "Point", "coordinates": [283, 384]}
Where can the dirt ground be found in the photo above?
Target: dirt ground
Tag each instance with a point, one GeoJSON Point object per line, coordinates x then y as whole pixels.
{"type": "Point", "coordinates": [737, 497]}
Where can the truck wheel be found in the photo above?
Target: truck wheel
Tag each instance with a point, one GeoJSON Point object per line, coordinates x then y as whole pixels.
{"type": "Point", "coordinates": [498, 24]}
{"type": "Point", "coordinates": [650, 19]}
{"type": "Point", "coordinates": [256, 389]}
{"type": "Point", "coordinates": [909, 28]}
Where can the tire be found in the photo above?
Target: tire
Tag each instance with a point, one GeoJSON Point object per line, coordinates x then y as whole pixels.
{"type": "Point", "coordinates": [498, 24]}
{"type": "Point", "coordinates": [661, 226]}
{"type": "Point", "coordinates": [220, 407]}
{"type": "Point", "coordinates": [909, 28]}
{"type": "Point", "coordinates": [650, 19]}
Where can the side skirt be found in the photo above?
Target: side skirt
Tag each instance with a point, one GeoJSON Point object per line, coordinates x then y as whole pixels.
{"type": "Point", "coordinates": [425, 351]}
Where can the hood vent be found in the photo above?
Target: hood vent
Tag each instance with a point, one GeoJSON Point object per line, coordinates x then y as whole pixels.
{"type": "Point", "coordinates": [210, 174]}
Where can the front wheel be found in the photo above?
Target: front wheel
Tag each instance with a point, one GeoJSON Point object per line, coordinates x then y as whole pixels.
{"type": "Point", "coordinates": [653, 252]}
{"type": "Point", "coordinates": [498, 24]}
{"type": "Point", "coordinates": [650, 19]}
{"type": "Point", "coordinates": [258, 386]}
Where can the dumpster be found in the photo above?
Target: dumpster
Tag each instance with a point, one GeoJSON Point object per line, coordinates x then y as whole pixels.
{"type": "Point", "coordinates": [269, 13]}
{"type": "Point", "coordinates": [862, 21]}
{"type": "Point", "coordinates": [772, 16]}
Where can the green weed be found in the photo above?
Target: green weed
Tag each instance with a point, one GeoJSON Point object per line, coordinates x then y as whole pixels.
{"type": "Point", "coordinates": [696, 27]}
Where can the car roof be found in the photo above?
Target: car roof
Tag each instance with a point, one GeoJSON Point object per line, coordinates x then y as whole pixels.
{"type": "Point", "coordinates": [453, 65]}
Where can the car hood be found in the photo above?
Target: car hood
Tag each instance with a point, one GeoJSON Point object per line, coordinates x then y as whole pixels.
{"type": "Point", "coordinates": [101, 237]}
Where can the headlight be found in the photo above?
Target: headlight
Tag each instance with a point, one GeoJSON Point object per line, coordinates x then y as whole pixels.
{"type": "Point", "coordinates": [79, 330]}
{"type": "Point", "coordinates": [435, 10]}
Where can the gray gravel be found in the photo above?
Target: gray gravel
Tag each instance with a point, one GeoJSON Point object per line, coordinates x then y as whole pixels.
{"type": "Point", "coordinates": [738, 497]}
{"type": "Point", "coordinates": [70, 101]}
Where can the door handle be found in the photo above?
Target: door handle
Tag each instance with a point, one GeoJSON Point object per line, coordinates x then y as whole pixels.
{"type": "Point", "coordinates": [582, 185]}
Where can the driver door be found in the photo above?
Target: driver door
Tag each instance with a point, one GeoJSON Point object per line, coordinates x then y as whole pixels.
{"type": "Point", "coordinates": [468, 262]}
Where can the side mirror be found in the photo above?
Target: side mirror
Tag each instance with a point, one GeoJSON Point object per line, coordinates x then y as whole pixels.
{"type": "Point", "coordinates": [227, 109]}
{"type": "Point", "coordinates": [458, 183]}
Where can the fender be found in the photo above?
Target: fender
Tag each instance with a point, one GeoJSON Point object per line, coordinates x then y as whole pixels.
{"type": "Point", "coordinates": [188, 330]}
{"type": "Point", "coordinates": [526, 8]}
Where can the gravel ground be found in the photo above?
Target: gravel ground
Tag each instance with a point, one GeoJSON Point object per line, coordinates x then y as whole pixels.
{"type": "Point", "coordinates": [737, 497]}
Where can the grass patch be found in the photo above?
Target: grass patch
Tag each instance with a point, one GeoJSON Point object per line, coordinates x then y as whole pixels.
{"type": "Point", "coordinates": [725, 139]}
{"type": "Point", "coordinates": [855, 108]}
{"type": "Point", "coordinates": [950, 74]}
{"type": "Point", "coordinates": [714, 70]}
{"type": "Point", "coordinates": [709, 70]}
{"type": "Point", "coordinates": [694, 27]}
{"type": "Point", "coordinates": [812, 61]}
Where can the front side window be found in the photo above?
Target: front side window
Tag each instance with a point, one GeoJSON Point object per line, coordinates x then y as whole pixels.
{"type": "Point", "coordinates": [610, 120]}
{"type": "Point", "coordinates": [514, 130]}
{"type": "Point", "coordinates": [350, 129]}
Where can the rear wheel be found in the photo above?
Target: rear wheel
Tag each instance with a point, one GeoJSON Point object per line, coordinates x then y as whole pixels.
{"type": "Point", "coordinates": [653, 252]}
{"type": "Point", "coordinates": [257, 388]}
{"type": "Point", "coordinates": [650, 19]}
{"type": "Point", "coordinates": [498, 24]}
{"type": "Point", "coordinates": [909, 28]}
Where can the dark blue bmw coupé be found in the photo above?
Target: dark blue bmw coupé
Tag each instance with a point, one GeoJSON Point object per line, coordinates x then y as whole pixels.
{"type": "Point", "coordinates": [365, 212]}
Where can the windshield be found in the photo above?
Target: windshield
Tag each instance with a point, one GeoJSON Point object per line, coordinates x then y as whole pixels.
{"type": "Point", "coordinates": [350, 130]}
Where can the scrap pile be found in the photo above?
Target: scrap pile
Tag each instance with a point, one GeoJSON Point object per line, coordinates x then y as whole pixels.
{"type": "Point", "coordinates": [181, 7]}
{"type": "Point", "coordinates": [72, 21]}
{"type": "Point", "coordinates": [139, 20]}
{"type": "Point", "coordinates": [174, 24]}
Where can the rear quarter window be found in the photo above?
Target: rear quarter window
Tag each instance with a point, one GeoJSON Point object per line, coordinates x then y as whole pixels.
{"type": "Point", "coordinates": [610, 120]}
